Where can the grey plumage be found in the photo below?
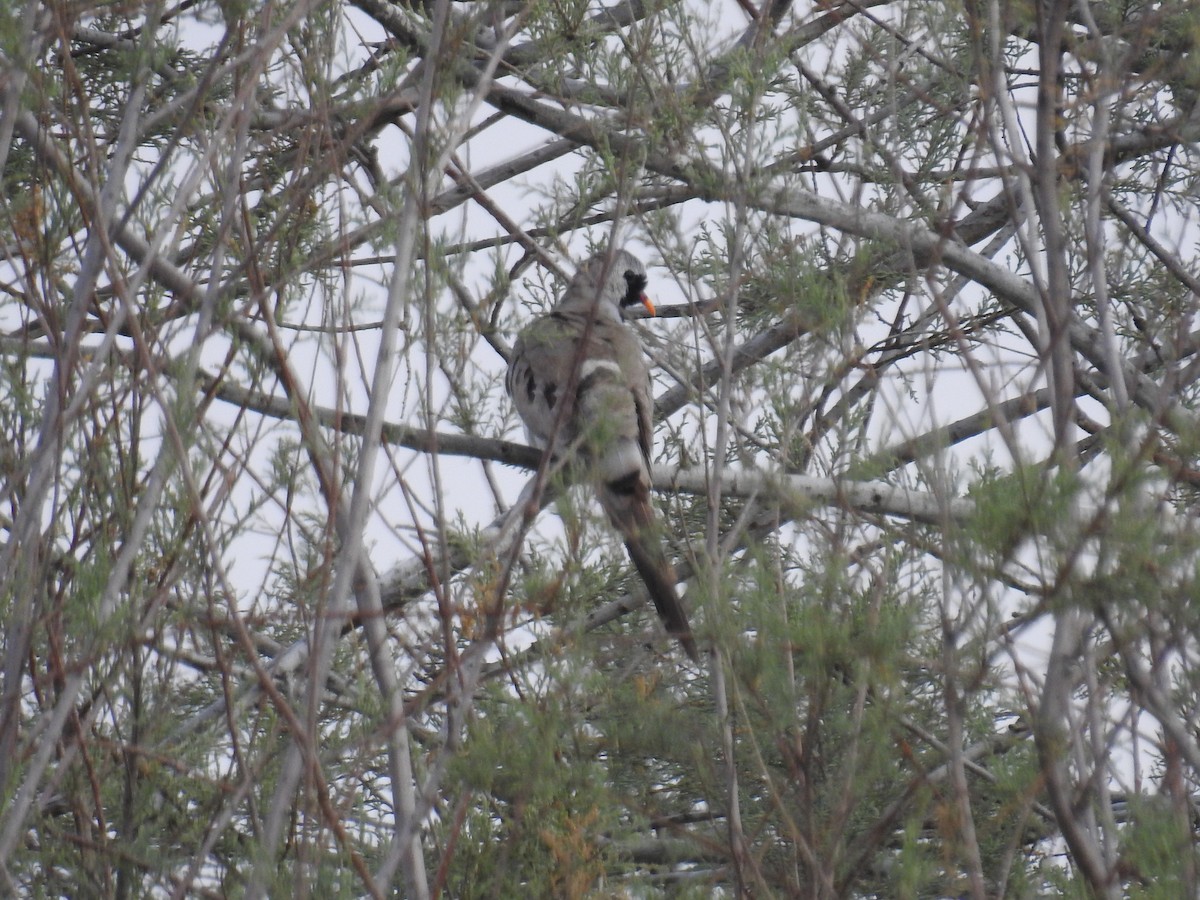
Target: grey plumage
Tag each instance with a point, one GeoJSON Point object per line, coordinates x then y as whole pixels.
{"type": "Point", "coordinates": [582, 354]}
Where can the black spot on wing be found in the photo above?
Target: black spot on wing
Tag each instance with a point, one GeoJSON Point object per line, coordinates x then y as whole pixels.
{"type": "Point", "coordinates": [550, 393]}
{"type": "Point", "coordinates": [530, 386]}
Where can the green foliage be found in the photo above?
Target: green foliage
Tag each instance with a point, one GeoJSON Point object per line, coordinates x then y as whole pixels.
{"type": "Point", "coordinates": [1012, 507]}
{"type": "Point", "coordinates": [1160, 845]}
{"type": "Point", "coordinates": [542, 829]}
{"type": "Point", "coordinates": [823, 300]}
{"type": "Point", "coordinates": [879, 672]}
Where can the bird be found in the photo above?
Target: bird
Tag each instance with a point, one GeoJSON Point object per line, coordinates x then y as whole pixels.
{"type": "Point", "coordinates": [579, 381]}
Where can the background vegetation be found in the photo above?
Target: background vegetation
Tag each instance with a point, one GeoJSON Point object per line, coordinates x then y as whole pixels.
{"type": "Point", "coordinates": [284, 611]}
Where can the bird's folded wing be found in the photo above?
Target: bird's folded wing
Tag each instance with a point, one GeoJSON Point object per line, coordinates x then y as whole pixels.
{"type": "Point", "coordinates": [610, 378]}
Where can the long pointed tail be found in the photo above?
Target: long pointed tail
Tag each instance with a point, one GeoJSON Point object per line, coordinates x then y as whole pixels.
{"type": "Point", "coordinates": [627, 503]}
{"type": "Point", "coordinates": [659, 576]}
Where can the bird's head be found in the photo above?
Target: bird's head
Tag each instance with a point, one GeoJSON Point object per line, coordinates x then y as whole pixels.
{"type": "Point", "coordinates": [621, 281]}
{"type": "Point", "coordinates": [635, 289]}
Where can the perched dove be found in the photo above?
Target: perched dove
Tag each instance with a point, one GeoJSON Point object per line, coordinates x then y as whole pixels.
{"type": "Point", "coordinates": [581, 355]}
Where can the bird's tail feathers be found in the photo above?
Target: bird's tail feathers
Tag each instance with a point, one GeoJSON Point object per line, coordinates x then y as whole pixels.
{"type": "Point", "coordinates": [627, 504]}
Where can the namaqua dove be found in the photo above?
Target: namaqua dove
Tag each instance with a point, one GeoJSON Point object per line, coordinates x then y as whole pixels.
{"type": "Point", "coordinates": [582, 355]}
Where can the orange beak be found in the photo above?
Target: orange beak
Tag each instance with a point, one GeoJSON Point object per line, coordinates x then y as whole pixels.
{"type": "Point", "coordinates": [649, 306]}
